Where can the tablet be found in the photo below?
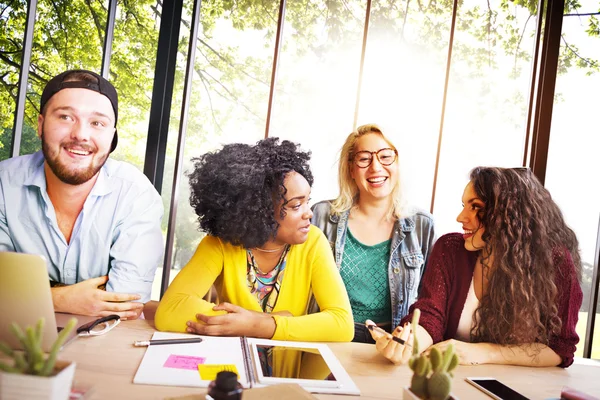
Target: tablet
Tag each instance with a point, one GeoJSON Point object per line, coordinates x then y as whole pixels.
{"type": "Point", "coordinates": [301, 365]}
{"type": "Point", "coordinates": [310, 365]}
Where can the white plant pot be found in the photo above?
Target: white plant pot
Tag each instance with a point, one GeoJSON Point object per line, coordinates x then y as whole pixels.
{"type": "Point", "coordinates": [56, 387]}
{"type": "Point", "coordinates": [408, 395]}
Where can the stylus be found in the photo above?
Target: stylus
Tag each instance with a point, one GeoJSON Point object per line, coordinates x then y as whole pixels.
{"type": "Point", "coordinates": [394, 338]}
{"type": "Point", "coordinates": [142, 343]}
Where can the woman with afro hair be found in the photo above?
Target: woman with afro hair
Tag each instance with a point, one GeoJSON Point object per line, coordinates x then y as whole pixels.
{"type": "Point", "coordinates": [506, 290]}
{"type": "Point", "coordinates": [261, 253]}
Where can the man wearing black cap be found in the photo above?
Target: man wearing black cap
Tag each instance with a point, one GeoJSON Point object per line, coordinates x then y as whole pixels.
{"type": "Point", "coordinates": [95, 220]}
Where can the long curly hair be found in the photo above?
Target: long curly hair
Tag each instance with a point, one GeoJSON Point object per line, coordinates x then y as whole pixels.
{"type": "Point", "coordinates": [528, 238]}
{"type": "Point", "coordinates": [348, 196]}
{"type": "Point", "coordinates": [234, 190]}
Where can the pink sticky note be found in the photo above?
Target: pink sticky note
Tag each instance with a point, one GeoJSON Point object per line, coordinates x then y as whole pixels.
{"type": "Point", "coordinates": [183, 362]}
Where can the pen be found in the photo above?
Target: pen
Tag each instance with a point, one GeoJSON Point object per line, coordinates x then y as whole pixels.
{"type": "Point", "coordinates": [142, 343]}
{"type": "Point", "coordinates": [394, 338]}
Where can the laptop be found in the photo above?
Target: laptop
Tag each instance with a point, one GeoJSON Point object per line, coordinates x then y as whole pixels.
{"type": "Point", "coordinates": [25, 297]}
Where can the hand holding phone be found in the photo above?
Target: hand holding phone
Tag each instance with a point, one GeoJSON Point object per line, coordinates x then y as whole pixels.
{"type": "Point", "coordinates": [495, 388]}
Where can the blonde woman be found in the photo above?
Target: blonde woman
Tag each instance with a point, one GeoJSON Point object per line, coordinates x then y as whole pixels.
{"type": "Point", "coordinates": [381, 250]}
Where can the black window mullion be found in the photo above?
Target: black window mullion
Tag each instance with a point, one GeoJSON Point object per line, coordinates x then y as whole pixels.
{"type": "Point", "coordinates": [542, 119]}
{"type": "Point", "coordinates": [592, 309]}
{"type": "Point", "coordinates": [162, 92]}
{"type": "Point", "coordinates": [362, 63]}
{"type": "Point", "coordinates": [108, 38]}
{"type": "Point", "coordinates": [276, 52]}
{"type": "Point", "coordinates": [23, 78]}
{"type": "Point", "coordinates": [187, 90]}
{"type": "Point", "coordinates": [534, 78]}
{"type": "Point", "coordinates": [444, 97]}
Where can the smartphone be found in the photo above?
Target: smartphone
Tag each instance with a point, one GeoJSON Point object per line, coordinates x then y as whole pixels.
{"type": "Point", "coordinates": [495, 388]}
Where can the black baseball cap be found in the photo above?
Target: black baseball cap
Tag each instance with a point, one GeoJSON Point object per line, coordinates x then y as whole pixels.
{"type": "Point", "coordinates": [70, 80]}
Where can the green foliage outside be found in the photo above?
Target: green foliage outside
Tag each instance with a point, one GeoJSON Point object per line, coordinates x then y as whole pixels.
{"type": "Point", "coordinates": [231, 84]}
{"type": "Point", "coordinates": [581, 331]}
{"type": "Point", "coordinates": [68, 35]}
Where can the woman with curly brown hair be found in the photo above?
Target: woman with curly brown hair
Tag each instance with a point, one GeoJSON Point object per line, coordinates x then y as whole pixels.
{"type": "Point", "coordinates": [263, 256]}
{"type": "Point", "coordinates": [507, 290]}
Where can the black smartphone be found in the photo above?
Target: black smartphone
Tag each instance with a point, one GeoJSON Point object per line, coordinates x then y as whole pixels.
{"type": "Point", "coordinates": [495, 388]}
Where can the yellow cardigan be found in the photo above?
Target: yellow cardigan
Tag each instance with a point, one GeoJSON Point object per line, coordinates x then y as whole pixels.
{"type": "Point", "coordinates": [310, 265]}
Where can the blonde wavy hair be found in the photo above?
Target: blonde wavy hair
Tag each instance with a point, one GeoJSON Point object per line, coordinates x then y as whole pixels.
{"type": "Point", "coordinates": [348, 196]}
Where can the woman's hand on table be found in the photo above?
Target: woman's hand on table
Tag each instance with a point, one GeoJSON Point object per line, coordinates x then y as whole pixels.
{"type": "Point", "coordinates": [237, 322]}
{"type": "Point", "coordinates": [468, 353]}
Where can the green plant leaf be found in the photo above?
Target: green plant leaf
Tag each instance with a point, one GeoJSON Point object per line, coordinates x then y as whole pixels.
{"type": "Point", "coordinates": [62, 337]}
{"type": "Point", "coordinates": [414, 324]}
{"type": "Point", "coordinates": [435, 355]}
{"type": "Point", "coordinates": [35, 355]}
{"type": "Point", "coordinates": [4, 348]}
{"type": "Point", "coordinates": [448, 353]}
{"type": "Point", "coordinates": [7, 368]}
{"type": "Point", "coordinates": [20, 362]}
{"type": "Point", "coordinates": [18, 332]}
{"type": "Point", "coordinates": [454, 362]}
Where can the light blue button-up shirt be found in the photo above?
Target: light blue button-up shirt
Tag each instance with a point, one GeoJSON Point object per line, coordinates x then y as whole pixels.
{"type": "Point", "coordinates": [117, 233]}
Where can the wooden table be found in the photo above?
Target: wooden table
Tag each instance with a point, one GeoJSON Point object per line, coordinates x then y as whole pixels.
{"type": "Point", "coordinates": [106, 365]}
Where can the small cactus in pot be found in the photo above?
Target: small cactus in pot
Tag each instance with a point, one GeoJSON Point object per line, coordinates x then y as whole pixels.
{"type": "Point", "coordinates": [432, 378]}
{"type": "Point", "coordinates": [31, 360]}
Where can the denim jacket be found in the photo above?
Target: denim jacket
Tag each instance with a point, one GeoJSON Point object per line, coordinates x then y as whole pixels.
{"type": "Point", "coordinates": [412, 242]}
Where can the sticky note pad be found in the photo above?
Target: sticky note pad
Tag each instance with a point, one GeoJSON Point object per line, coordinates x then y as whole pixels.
{"type": "Point", "coordinates": [183, 362]}
{"type": "Point", "coordinates": [208, 372]}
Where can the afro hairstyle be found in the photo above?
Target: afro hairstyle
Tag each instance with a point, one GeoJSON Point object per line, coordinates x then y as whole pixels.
{"type": "Point", "coordinates": [234, 190]}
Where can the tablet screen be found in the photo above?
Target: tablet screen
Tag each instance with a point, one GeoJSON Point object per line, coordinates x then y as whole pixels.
{"type": "Point", "coordinates": [293, 363]}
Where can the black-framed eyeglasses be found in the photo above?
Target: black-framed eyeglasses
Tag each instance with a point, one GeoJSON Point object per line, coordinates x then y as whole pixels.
{"type": "Point", "coordinates": [99, 326]}
{"type": "Point", "coordinates": [386, 157]}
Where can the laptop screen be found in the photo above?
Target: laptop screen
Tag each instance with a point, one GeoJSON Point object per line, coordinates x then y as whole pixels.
{"type": "Point", "coordinates": [25, 297]}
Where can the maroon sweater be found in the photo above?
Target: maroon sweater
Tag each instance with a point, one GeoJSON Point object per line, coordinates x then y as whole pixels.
{"type": "Point", "coordinates": [446, 284]}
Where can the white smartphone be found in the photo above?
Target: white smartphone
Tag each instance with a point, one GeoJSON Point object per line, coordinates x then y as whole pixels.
{"type": "Point", "coordinates": [495, 388]}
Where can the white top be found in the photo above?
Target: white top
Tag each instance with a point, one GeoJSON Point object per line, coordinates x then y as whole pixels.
{"type": "Point", "coordinates": [465, 324]}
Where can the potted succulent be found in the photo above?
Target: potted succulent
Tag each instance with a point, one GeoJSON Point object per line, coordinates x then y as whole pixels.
{"type": "Point", "coordinates": [32, 375]}
{"type": "Point", "coordinates": [432, 377]}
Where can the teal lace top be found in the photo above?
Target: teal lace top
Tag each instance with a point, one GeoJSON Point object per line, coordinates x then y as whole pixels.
{"type": "Point", "coordinates": [365, 273]}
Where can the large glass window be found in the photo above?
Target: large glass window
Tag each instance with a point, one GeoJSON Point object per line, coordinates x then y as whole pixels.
{"type": "Point", "coordinates": [486, 109]}
{"type": "Point", "coordinates": [403, 83]}
{"type": "Point", "coordinates": [174, 123]}
{"type": "Point", "coordinates": [13, 16]}
{"type": "Point", "coordinates": [70, 35]}
{"type": "Point", "coordinates": [573, 168]}
{"type": "Point", "coordinates": [132, 73]}
{"type": "Point", "coordinates": [230, 92]}
{"type": "Point", "coordinates": [315, 95]}
{"type": "Point", "coordinates": [66, 35]}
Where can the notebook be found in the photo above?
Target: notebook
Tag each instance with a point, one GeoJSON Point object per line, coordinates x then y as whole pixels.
{"type": "Point", "coordinates": [25, 297]}
{"type": "Point", "coordinates": [257, 362]}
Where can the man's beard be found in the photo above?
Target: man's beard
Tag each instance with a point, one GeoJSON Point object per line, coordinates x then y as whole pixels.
{"type": "Point", "coordinates": [63, 172]}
